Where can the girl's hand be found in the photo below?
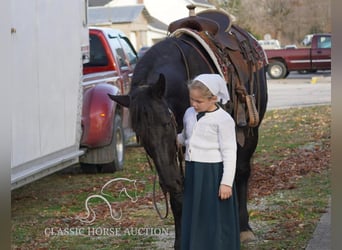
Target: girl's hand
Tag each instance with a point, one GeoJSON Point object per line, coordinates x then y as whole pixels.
{"type": "Point", "coordinates": [225, 192]}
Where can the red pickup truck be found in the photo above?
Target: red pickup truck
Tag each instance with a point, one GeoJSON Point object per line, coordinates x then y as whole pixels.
{"type": "Point", "coordinates": [317, 57]}
{"type": "Point", "coordinates": [105, 125]}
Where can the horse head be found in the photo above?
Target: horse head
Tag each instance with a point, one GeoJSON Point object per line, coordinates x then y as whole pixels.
{"type": "Point", "coordinates": [155, 127]}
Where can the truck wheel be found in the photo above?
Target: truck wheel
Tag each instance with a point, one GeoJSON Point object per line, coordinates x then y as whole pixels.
{"type": "Point", "coordinates": [276, 70]}
{"type": "Point", "coordinates": [117, 147]}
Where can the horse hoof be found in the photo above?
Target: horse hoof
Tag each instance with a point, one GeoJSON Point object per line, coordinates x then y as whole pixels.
{"type": "Point", "coordinates": [247, 236]}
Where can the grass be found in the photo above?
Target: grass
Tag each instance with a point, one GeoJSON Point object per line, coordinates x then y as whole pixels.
{"type": "Point", "coordinates": [287, 219]}
{"type": "Point", "coordinates": [282, 130]}
{"type": "Point", "coordinates": [44, 213]}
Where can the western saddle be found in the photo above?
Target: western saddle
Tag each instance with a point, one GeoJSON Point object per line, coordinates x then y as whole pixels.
{"type": "Point", "coordinates": [230, 44]}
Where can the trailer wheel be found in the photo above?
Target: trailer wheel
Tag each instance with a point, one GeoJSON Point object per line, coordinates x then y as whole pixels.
{"type": "Point", "coordinates": [117, 148]}
{"type": "Point", "coordinates": [277, 70]}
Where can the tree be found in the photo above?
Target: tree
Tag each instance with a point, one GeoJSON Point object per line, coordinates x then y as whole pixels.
{"type": "Point", "coordinates": [287, 20]}
{"type": "Point", "coordinates": [276, 15]}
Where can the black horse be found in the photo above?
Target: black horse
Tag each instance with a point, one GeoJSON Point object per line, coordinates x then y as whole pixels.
{"type": "Point", "coordinates": [159, 97]}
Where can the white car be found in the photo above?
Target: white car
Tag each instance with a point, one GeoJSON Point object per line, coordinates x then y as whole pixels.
{"type": "Point", "coordinates": [270, 44]}
{"type": "Point", "coordinates": [290, 46]}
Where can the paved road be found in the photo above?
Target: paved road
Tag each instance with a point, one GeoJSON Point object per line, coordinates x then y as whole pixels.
{"type": "Point", "coordinates": [299, 90]}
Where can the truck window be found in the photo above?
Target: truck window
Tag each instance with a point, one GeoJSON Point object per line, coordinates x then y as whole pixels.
{"type": "Point", "coordinates": [324, 42]}
{"type": "Point", "coordinates": [98, 56]}
{"type": "Point", "coordinates": [119, 52]}
{"type": "Point", "coordinates": [126, 56]}
{"type": "Point", "coordinates": [131, 55]}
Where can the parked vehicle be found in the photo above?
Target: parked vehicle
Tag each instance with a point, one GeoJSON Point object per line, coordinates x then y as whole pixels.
{"type": "Point", "coordinates": [290, 46]}
{"type": "Point", "coordinates": [62, 114]}
{"type": "Point", "coordinates": [270, 44]}
{"type": "Point", "coordinates": [49, 44]}
{"type": "Point", "coordinates": [307, 40]}
{"type": "Point", "coordinates": [106, 125]}
{"type": "Point", "coordinates": [317, 57]}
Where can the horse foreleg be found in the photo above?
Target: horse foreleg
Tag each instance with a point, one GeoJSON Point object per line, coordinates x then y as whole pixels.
{"type": "Point", "coordinates": [246, 233]}
{"type": "Point", "coordinates": [241, 187]}
{"type": "Point", "coordinates": [176, 200]}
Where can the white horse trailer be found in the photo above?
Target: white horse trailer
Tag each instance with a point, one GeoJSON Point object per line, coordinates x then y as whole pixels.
{"type": "Point", "coordinates": [49, 42]}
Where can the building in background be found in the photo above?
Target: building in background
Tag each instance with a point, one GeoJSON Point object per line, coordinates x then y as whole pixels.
{"type": "Point", "coordinates": [145, 22]}
{"type": "Point", "coordinates": [134, 20]}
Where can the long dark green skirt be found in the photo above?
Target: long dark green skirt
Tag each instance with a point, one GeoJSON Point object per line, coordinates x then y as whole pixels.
{"type": "Point", "coordinates": [208, 222]}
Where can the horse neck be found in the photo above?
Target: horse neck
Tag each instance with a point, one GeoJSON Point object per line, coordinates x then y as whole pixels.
{"type": "Point", "coordinates": [195, 58]}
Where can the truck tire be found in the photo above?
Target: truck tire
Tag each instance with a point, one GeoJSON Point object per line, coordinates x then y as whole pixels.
{"type": "Point", "coordinates": [277, 70]}
{"type": "Point", "coordinates": [117, 147]}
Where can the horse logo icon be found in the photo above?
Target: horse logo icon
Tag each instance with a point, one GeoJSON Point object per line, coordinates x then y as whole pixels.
{"type": "Point", "coordinates": [114, 213]}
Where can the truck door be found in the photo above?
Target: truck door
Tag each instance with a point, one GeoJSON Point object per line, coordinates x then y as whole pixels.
{"type": "Point", "coordinates": [321, 54]}
{"type": "Point", "coordinates": [127, 58]}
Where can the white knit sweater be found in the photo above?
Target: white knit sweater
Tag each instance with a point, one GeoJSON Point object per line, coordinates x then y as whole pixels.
{"type": "Point", "coordinates": [211, 139]}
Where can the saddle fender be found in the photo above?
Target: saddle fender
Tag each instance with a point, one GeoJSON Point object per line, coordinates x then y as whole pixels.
{"type": "Point", "coordinates": [98, 115]}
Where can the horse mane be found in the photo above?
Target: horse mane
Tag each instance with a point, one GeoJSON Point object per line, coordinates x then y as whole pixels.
{"type": "Point", "coordinates": [144, 111]}
{"type": "Point", "coordinates": [139, 108]}
{"type": "Point", "coordinates": [145, 76]}
{"type": "Point", "coordinates": [145, 71]}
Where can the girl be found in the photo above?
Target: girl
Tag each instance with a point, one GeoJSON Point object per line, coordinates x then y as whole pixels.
{"type": "Point", "coordinates": [210, 215]}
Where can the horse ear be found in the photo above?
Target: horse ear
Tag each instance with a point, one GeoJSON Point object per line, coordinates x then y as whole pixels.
{"type": "Point", "coordinates": [123, 100]}
{"type": "Point", "coordinates": [158, 88]}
